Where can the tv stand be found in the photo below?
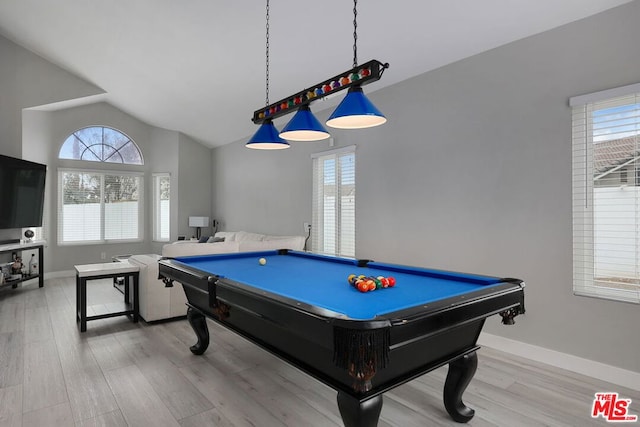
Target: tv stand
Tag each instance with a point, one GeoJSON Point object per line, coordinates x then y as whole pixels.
{"type": "Point", "coordinates": [17, 247]}
{"type": "Point", "coordinates": [6, 242]}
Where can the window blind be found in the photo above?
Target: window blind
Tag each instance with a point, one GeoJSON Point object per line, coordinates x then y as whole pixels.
{"type": "Point", "coordinates": [606, 196]}
{"type": "Point", "coordinates": [161, 206]}
{"type": "Point", "coordinates": [334, 202]}
{"type": "Point", "coordinates": [95, 207]}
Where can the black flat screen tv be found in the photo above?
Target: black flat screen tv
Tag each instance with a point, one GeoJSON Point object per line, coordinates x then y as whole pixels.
{"type": "Point", "coordinates": [21, 193]}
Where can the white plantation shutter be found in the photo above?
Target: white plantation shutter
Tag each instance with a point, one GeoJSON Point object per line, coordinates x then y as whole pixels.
{"type": "Point", "coordinates": [161, 206]}
{"type": "Point", "coordinates": [606, 194]}
{"type": "Point", "coordinates": [97, 207]}
{"type": "Point", "coordinates": [334, 202]}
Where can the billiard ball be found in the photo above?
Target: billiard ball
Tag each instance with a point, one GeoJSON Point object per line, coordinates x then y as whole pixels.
{"type": "Point", "coordinates": [262, 261]}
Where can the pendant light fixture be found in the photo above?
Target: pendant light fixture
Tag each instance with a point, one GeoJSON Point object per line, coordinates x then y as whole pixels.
{"type": "Point", "coordinates": [266, 138]}
{"type": "Point", "coordinates": [355, 111]}
{"type": "Point", "coordinates": [304, 127]}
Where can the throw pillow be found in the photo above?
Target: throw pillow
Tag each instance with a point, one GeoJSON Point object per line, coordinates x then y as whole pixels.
{"type": "Point", "coordinates": [203, 239]}
{"type": "Point", "coordinates": [214, 239]}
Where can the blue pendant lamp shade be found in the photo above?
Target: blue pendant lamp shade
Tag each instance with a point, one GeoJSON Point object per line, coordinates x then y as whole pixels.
{"type": "Point", "coordinates": [356, 112]}
{"type": "Point", "coordinates": [304, 127]}
{"type": "Point", "coordinates": [266, 138]}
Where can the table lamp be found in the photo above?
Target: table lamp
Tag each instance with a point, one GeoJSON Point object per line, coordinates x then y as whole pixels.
{"type": "Point", "coordinates": [198, 221]}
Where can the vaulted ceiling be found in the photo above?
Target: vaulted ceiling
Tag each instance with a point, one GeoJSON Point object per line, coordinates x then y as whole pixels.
{"type": "Point", "coordinates": [198, 66]}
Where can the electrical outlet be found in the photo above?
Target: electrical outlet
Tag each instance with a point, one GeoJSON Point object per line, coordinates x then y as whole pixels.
{"type": "Point", "coordinates": [306, 227]}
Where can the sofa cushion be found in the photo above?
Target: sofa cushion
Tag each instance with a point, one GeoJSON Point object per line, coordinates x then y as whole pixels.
{"type": "Point", "coordinates": [295, 243]}
{"type": "Point", "coordinates": [244, 236]}
{"type": "Point", "coordinates": [268, 237]}
{"type": "Point", "coordinates": [194, 248]}
{"type": "Point", "coordinates": [229, 236]}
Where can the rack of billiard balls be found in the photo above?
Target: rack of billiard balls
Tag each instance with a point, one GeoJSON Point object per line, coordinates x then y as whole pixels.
{"type": "Point", "coordinates": [369, 283]}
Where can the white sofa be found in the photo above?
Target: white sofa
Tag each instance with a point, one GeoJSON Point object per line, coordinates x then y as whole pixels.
{"type": "Point", "coordinates": [158, 302]}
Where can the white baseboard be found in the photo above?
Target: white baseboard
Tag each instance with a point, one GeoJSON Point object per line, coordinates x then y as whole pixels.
{"type": "Point", "coordinates": [601, 371]}
{"type": "Point", "coordinates": [59, 274]}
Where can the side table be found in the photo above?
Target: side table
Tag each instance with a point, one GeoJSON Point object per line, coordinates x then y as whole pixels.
{"type": "Point", "coordinates": [118, 282]}
{"type": "Point", "coordinates": [106, 270]}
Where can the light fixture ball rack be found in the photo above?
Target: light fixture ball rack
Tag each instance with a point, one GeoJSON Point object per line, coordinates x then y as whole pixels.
{"type": "Point", "coordinates": [359, 76]}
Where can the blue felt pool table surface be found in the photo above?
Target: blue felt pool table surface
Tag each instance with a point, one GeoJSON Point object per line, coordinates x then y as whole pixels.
{"type": "Point", "coordinates": [321, 281]}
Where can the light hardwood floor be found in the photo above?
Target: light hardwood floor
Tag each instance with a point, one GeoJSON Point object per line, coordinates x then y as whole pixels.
{"type": "Point", "coordinates": [124, 374]}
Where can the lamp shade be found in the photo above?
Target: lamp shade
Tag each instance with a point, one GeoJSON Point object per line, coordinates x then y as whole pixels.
{"type": "Point", "coordinates": [356, 112]}
{"type": "Point", "coordinates": [304, 127]}
{"type": "Point", "coordinates": [198, 221]}
{"type": "Point", "coordinates": [266, 138]}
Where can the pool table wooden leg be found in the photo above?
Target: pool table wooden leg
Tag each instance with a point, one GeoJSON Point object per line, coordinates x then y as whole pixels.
{"type": "Point", "coordinates": [460, 373]}
{"type": "Point", "coordinates": [359, 414]}
{"type": "Point", "coordinates": [199, 324]}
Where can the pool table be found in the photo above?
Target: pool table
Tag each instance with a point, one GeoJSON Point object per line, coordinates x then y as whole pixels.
{"type": "Point", "coordinates": [300, 307]}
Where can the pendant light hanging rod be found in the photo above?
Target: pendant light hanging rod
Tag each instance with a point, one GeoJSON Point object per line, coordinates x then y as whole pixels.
{"type": "Point", "coordinates": [355, 34]}
{"type": "Point", "coordinates": [267, 137]}
{"type": "Point", "coordinates": [356, 111]}
{"type": "Point", "coordinates": [266, 83]}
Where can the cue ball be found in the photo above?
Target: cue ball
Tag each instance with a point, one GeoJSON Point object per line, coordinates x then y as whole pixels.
{"type": "Point", "coordinates": [262, 261]}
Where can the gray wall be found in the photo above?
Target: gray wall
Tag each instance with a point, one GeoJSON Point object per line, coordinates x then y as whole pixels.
{"type": "Point", "coordinates": [471, 173]}
{"type": "Point", "coordinates": [28, 82]}
{"type": "Point", "coordinates": [162, 155]}
{"type": "Point", "coordinates": [194, 186]}
{"type": "Point", "coordinates": [263, 191]}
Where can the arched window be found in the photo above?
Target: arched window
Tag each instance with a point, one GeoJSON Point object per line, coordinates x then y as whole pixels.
{"type": "Point", "coordinates": [100, 206]}
{"type": "Point", "coordinates": [101, 144]}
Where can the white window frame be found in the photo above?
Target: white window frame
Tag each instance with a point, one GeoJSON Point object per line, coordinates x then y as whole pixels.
{"type": "Point", "coordinates": [585, 251]}
{"type": "Point", "coordinates": [96, 148]}
{"type": "Point", "coordinates": [157, 210]}
{"type": "Point", "coordinates": [101, 240]}
{"type": "Point", "coordinates": [343, 229]}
